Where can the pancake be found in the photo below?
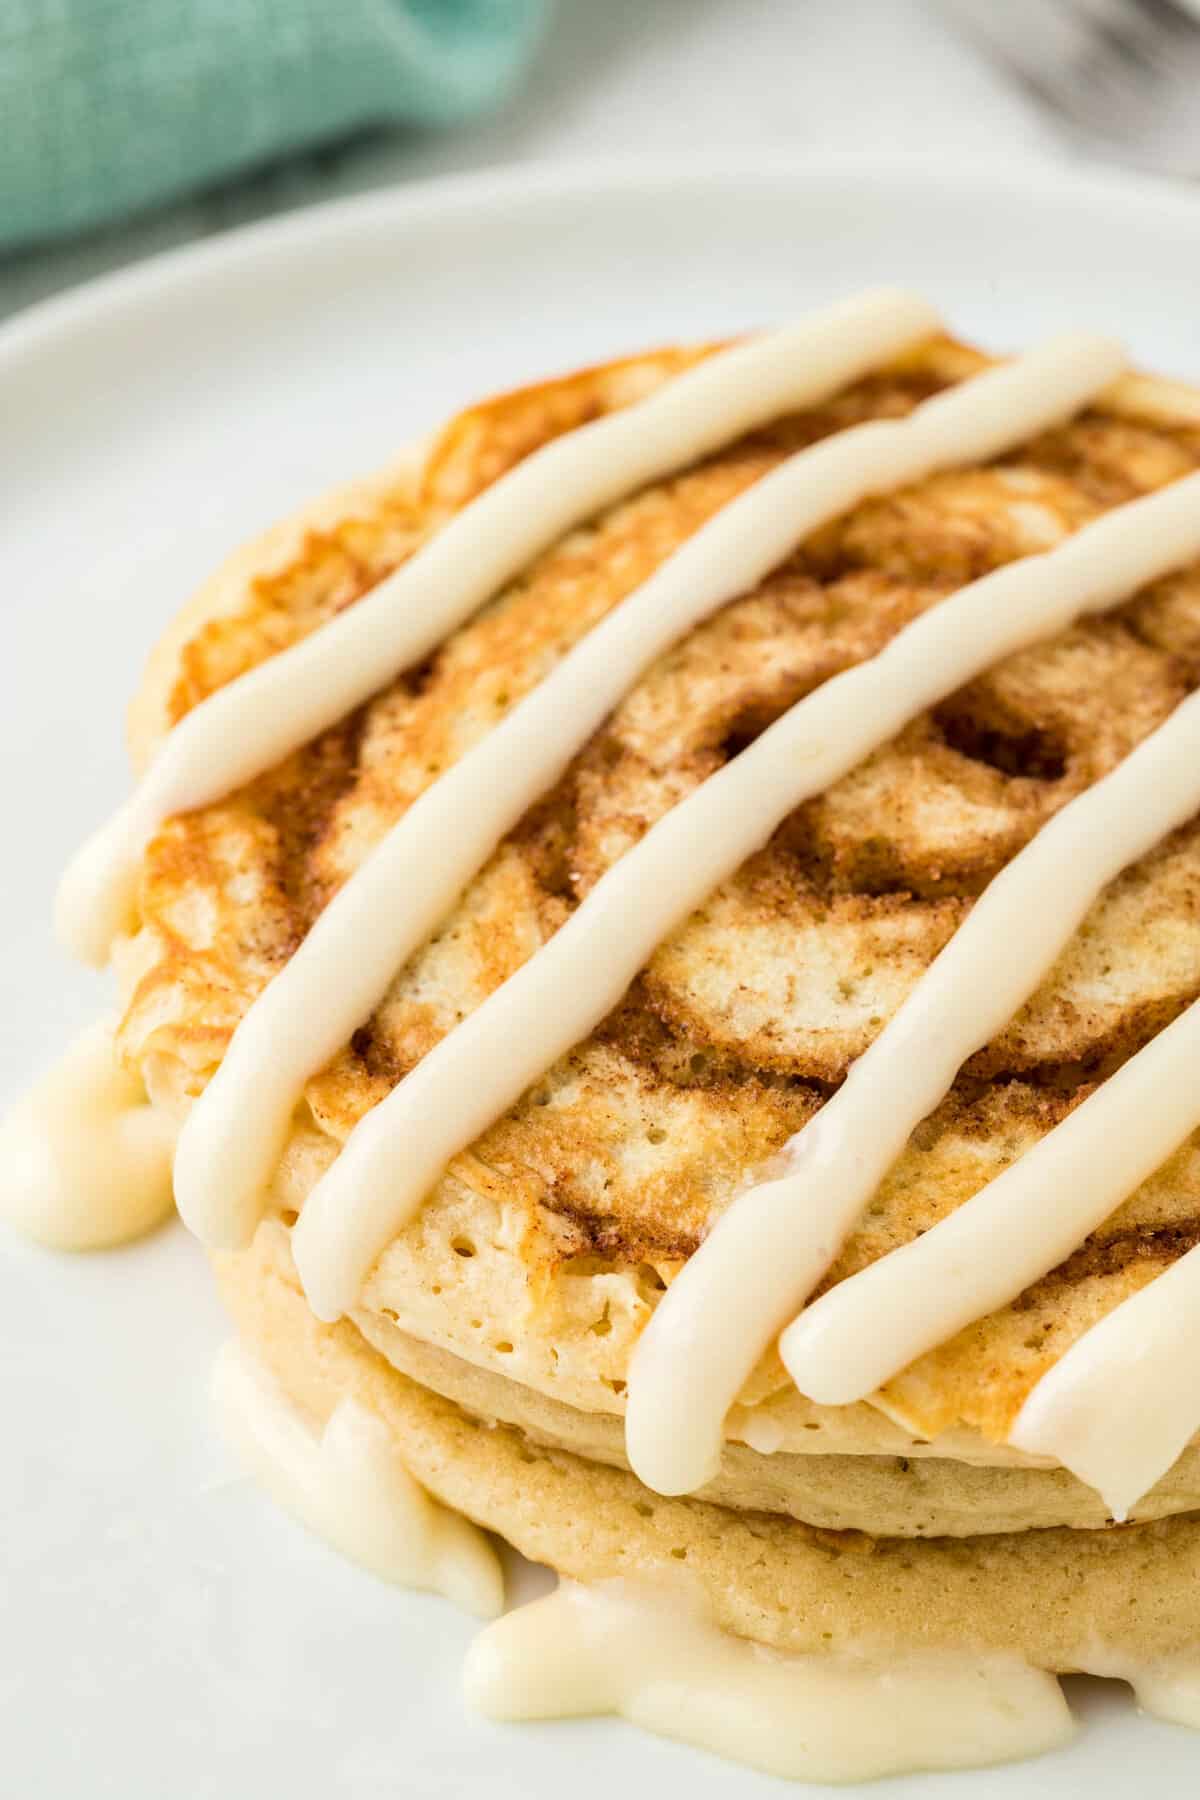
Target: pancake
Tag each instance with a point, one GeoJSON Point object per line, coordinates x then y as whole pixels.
{"type": "Point", "coordinates": [543, 1251]}
{"type": "Point", "coordinates": [494, 1333]}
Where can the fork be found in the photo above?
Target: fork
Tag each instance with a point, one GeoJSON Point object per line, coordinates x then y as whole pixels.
{"type": "Point", "coordinates": [1123, 76]}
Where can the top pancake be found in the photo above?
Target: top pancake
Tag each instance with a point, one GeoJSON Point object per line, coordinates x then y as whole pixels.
{"type": "Point", "coordinates": [545, 1247]}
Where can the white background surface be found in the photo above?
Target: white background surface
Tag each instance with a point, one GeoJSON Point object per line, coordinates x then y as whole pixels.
{"type": "Point", "coordinates": [630, 76]}
{"type": "Point", "coordinates": [163, 1632]}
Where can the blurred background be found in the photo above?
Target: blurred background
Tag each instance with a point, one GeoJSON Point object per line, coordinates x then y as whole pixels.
{"type": "Point", "coordinates": [129, 126]}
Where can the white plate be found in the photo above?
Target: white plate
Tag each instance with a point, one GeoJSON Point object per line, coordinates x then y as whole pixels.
{"type": "Point", "coordinates": [163, 1630]}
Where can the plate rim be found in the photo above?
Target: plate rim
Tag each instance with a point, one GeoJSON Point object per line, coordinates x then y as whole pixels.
{"type": "Point", "coordinates": [1040, 182]}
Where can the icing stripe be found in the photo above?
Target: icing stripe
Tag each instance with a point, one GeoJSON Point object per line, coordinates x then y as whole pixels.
{"type": "Point", "coordinates": [862, 1332]}
{"type": "Point", "coordinates": [396, 899]}
{"type": "Point", "coordinates": [1122, 1404]}
{"type": "Point", "coordinates": [257, 720]}
{"type": "Point", "coordinates": [398, 1151]}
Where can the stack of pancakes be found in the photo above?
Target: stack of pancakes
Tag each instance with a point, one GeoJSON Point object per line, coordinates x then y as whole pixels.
{"type": "Point", "coordinates": [495, 1332]}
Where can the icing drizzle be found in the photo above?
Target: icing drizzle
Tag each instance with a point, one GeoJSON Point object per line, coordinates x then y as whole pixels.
{"type": "Point", "coordinates": [692, 1358]}
{"type": "Point", "coordinates": [1124, 1401]}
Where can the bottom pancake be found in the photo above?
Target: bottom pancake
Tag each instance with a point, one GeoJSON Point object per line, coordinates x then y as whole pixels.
{"type": "Point", "coordinates": [1113, 1601]}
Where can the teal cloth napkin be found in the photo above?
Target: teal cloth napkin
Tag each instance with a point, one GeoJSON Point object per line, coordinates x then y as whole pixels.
{"type": "Point", "coordinates": [107, 106]}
